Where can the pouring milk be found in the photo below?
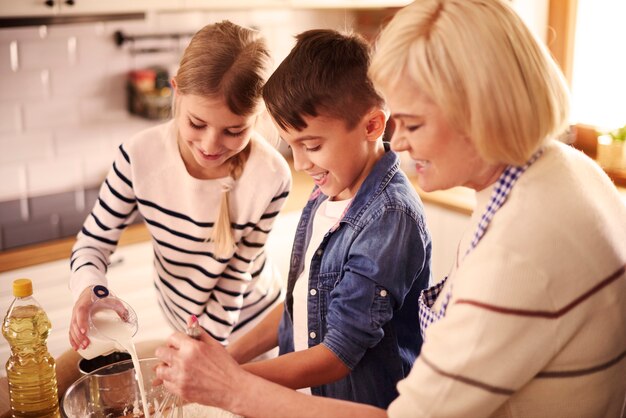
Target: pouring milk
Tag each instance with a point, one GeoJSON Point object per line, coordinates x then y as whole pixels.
{"type": "Point", "coordinates": [109, 332]}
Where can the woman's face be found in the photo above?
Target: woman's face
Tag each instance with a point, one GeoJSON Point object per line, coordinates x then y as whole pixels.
{"type": "Point", "coordinates": [443, 157]}
{"type": "Point", "coordinates": [209, 134]}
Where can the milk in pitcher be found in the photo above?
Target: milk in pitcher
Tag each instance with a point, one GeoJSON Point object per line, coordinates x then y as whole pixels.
{"type": "Point", "coordinates": [108, 332]}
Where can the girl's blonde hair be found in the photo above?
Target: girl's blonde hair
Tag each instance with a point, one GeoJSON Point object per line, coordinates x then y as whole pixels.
{"type": "Point", "coordinates": [483, 67]}
{"type": "Point", "coordinates": [231, 62]}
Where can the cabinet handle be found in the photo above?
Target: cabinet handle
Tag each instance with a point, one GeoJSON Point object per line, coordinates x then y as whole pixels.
{"type": "Point", "coordinates": [69, 2]}
{"type": "Point", "coordinates": [49, 3]}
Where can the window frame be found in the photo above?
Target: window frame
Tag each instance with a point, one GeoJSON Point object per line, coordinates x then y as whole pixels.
{"type": "Point", "coordinates": [561, 38]}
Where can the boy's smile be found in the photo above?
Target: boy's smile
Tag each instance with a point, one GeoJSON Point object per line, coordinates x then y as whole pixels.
{"type": "Point", "coordinates": [319, 179]}
{"type": "Point", "coordinates": [336, 158]}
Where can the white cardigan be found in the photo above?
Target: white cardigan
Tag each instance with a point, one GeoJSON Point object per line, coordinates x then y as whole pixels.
{"type": "Point", "coordinates": [536, 326]}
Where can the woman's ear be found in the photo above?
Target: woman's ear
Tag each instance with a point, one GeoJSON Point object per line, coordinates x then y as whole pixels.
{"type": "Point", "coordinates": [375, 124]}
{"type": "Point", "coordinates": [173, 84]}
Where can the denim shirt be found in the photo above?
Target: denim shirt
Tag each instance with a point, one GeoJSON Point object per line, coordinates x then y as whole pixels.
{"type": "Point", "coordinates": [364, 284]}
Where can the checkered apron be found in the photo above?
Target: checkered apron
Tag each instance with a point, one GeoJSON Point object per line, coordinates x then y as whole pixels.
{"type": "Point", "coordinates": [504, 185]}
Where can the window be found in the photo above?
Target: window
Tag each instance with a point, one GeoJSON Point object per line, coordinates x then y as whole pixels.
{"type": "Point", "coordinates": [598, 73]}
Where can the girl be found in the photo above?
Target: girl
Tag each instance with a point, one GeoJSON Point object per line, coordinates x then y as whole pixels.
{"type": "Point", "coordinates": [191, 180]}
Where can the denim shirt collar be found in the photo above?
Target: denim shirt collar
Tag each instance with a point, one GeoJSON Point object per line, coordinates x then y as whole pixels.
{"type": "Point", "coordinates": [382, 172]}
{"type": "Point", "coordinates": [373, 185]}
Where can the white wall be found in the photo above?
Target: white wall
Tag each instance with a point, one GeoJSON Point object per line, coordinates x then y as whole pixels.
{"type": "Point", "coordinates": [62, 91]}
{"type": "Point", "coordinates": [535, 14]}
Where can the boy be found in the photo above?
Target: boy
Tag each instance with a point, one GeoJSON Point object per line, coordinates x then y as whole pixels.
{"type": "Point", "coordinates": [361, 255]}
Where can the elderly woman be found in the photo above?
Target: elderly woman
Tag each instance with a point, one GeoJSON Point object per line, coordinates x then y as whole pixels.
{"type": "Point", "coordinates": [531, 320]}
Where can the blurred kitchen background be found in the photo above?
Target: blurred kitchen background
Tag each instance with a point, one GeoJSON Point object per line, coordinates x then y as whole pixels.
{"type": "Point", "coordinates": [64, 95]}
{"type": "Point", "coordinates": [64, 99]}
{"type": "Point", "coordinates": [65, 67]}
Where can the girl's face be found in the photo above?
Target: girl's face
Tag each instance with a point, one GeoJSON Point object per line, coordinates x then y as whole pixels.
{"type": "Point", "coordinates": [209, 134]}
{"type": "Point", "coordinates": [443, 157]}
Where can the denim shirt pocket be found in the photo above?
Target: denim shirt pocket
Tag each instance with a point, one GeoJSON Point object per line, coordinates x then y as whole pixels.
{"type": "Point", "coordinates": [326, 282]}
{"type": "Point", "coordinates": [381, 310]}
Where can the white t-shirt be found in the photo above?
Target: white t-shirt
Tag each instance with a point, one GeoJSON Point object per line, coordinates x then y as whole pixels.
{"type": "Point", "coordinates": [326, 216]}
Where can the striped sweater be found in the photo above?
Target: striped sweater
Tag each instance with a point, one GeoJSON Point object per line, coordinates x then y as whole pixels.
{"type": "Point", "coordinates": [149, 177]}
{"type": "Point", "coordinates": [536, 325]}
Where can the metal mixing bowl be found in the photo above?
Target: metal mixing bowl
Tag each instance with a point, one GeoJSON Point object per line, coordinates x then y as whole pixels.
{"type": "Point", "coordinates": [112, 391]}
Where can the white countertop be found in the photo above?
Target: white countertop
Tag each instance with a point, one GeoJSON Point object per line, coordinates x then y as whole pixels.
{"type": "Point", "coordinates": [130, 278]}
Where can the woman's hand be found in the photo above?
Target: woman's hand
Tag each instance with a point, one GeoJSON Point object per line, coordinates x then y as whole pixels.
{"type": "Point", "coordinates": [198, 371]}
{"type": "Point", "coordinates": [201, 371]}
{"type": "Point", "coordinates": [80, 320]}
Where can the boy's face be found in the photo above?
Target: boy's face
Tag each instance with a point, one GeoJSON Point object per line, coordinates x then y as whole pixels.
{"type": "Point", "coordinates": [336, 158]}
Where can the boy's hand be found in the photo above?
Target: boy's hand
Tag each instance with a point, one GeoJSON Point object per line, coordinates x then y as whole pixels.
{"type": "Point", "coordinates": [260, 339]}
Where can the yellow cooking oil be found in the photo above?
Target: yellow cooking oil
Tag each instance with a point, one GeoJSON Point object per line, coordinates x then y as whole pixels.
{"type": "Point", "coordinates": [30, 368]}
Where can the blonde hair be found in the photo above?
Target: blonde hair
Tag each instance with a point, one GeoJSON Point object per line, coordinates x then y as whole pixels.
{"type": "Point", "coordinates": [231, 62]}
{"type": "Point", "coordinates": [222, 235]}
{"type": "Point", "coordinates": [483, 67]}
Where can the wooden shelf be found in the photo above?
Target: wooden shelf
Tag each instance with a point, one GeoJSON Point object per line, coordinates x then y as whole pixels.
{"type": "Point", "coordinates": [618, 176]}
{"type": "Point", "coordinates": [587, 141]}
{"type": "Point", "coordinates": [58, 249]}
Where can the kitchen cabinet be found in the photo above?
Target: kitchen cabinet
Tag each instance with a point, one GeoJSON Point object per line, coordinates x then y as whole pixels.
{"type": "Point", "coordinates": [51, 8]}
{"type": "Point", "coordinates": [234, 4]}
{"type": "Point", "coordinates": [347, 4]}
{"type": "Point", "coordinates": [56, 8]}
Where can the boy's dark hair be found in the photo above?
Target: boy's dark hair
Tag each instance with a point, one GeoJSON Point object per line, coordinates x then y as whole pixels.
{"type": "Point", "coordinates": [324, 74]}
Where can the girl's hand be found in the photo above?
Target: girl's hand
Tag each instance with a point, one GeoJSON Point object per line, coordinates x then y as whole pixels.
{"type": "Point", "coordinates": [85, 305]}
{"type": "Point", "coordinates": [80, 320]}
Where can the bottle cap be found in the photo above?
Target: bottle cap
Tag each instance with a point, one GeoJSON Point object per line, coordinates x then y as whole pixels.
{"type": "Point", "coordinates": [22, 288]}
{"type": "Point", "coordinates": [193, 327]}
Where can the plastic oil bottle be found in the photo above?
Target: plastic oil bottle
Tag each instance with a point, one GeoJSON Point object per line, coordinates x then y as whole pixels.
{"type": "Point", "coordinates": [30, 368]}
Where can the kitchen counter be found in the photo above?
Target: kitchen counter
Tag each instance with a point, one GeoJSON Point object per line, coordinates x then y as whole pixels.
{"type": "Point", "coordinates": [130, 275]}
{"type": "Point", "coordinates": [60, 249]}
{"type": "Point", "coordinates": [458, 199]}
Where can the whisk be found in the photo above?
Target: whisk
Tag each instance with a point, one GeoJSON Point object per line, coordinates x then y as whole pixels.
{"type": "Point", "coordinates": [171, 405]}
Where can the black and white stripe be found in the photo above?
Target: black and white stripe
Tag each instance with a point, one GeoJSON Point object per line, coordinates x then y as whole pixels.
{"type": "Point", "coordinates": [179, 213]}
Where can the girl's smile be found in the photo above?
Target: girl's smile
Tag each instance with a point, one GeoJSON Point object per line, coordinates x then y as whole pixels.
{"type": "Point", "coordinates": [207, 156]}
{"type": "Point", "coordinates": [209, 134]}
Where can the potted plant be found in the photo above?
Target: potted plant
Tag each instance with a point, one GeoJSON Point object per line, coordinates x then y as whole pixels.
{"type": "Point", "coordinates": [612, 149]}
